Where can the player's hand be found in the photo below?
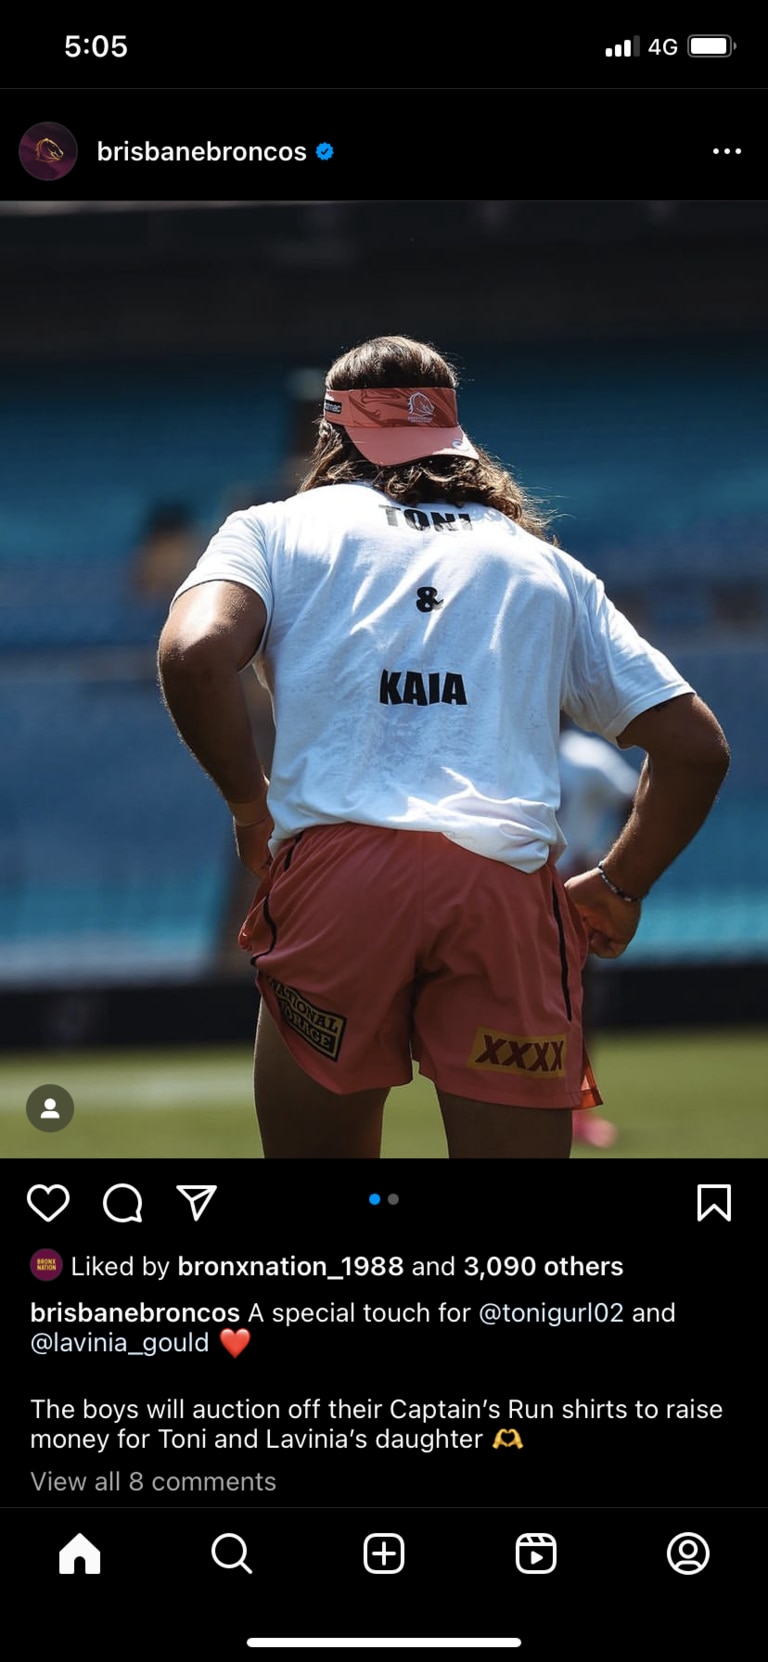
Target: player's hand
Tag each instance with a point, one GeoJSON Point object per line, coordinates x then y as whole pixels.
{"type": "Point", "coordinates": [254, 826]}
{"type": "Point", "coordinates": [253, 844]}
{"type": "Point", "coordinates": [610, 922]}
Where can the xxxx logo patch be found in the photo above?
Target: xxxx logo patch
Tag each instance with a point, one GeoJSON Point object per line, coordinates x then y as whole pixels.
{"type": "Point", "coordinates": [538, 1057]}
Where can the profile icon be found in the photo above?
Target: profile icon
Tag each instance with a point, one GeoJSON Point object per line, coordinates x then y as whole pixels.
{"type": "Point", "coordinates": [48, 151]}
{"type": "Point", "coordinates": [688, 1553]}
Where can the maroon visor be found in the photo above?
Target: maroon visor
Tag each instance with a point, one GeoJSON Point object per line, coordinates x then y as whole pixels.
{"type": "Point", "coordinates": [399, 424]}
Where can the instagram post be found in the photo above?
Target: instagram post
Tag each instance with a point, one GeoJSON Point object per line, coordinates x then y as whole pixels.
{"type": "Point", "coordinates": [384, 603]}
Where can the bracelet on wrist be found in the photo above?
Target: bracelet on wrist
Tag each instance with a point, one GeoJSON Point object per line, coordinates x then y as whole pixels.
{"type": "Point", "coordinates": [634, 899]}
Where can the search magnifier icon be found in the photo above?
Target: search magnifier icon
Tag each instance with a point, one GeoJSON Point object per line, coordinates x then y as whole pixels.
{"type": "Point", "coordinates": [236, 1563]}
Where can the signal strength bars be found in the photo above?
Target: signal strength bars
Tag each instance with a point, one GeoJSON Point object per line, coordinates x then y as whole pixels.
{"type": "Point", "coordinates": [624, 49]}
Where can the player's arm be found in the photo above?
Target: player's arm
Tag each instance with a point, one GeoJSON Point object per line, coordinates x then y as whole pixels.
{"type": "Point", "coordinates": [687, 759]}
{"type": "Point", "coordinates": [211, 634]}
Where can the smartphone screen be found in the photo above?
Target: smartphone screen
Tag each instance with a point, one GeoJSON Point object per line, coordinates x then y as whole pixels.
{"type": "Point", "coordinates": [446, 1325]}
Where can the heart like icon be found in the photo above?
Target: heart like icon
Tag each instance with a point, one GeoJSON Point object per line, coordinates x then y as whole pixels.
{"type": "Point", "coordinates": [235, 1342]}
{"type": "Point", "coordinates": [41, 1189]}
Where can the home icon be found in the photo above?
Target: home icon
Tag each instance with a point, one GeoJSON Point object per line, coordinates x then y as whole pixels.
{"type": "Point", "coordinates": [75, 1550]}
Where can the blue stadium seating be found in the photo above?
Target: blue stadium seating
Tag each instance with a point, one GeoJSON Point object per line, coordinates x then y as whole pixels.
{"type": "Point", "coordinates": [115, 851]}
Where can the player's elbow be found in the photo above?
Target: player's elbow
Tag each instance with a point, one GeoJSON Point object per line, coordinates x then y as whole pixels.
{"type": "Point", "coordinates": [682, 736]}
{"type": "Point", "coordinates": [704, 746]}
{"type": "Point", "coordinates": [696, 763]}
{"type": "Point", "coordinates": [213, 631]}
{"type": "Point", "coordinates": [188, 654]}
{"type": "Point", "coordinates": [719, 757]}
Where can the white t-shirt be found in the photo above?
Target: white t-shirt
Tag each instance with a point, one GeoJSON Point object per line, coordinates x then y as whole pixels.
{"type": "Point", "coordinates": [418, 660]}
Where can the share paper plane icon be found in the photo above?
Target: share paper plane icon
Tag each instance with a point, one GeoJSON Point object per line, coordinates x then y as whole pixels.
{"type": "Point", "coordinates": [198, 1195]}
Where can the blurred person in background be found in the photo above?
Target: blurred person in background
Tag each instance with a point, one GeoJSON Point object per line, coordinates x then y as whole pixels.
{"type": "Point", "coordinates": [169, 540]}
{"type": "Point", "coordinates": [597, 789]}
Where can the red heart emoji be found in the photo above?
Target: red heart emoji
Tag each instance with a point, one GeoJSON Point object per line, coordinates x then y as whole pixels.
{"type": "Point", "coordinates": [235, 1342]}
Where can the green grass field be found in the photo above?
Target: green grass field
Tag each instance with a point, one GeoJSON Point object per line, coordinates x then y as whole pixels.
{"type": "Point", "coordinates": [671, 1095]}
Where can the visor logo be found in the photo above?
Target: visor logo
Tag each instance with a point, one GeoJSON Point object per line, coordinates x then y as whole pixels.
{"type": "Point", "coordinates": [420, 408]}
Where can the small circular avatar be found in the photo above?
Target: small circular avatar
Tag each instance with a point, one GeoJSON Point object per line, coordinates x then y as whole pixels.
{"type": "Point", "coordinates": [50, 1108]}
{"type": "Point", "coordinates": [48, 151]}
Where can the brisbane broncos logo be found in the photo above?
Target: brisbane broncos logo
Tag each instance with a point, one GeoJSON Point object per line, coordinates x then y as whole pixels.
{"type": "Point", "coordinates": [47, 150]}
{"type": "Point", "coordinates": [420, 408]}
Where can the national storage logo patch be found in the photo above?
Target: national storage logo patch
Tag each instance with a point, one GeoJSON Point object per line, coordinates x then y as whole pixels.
{"type": "Point", "coordinates": [322, 1029]}
{"type": "Point", "coordinates": [540, 1057]}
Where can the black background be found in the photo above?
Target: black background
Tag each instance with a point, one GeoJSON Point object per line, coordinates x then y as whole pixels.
{"type": "Point", "coordinates": [515, 141]}
{"type": "Point", "coordinates": [566, 123]}
{"type": "Point", "coordinates": [612, 1492]}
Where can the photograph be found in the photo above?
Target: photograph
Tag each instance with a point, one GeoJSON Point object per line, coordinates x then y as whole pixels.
{"type": "Point", "coordinates": [383, 628]}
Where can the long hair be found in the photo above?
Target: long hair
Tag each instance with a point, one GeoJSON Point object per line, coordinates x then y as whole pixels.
{"type": "Point", "coordinates": [396, 361]}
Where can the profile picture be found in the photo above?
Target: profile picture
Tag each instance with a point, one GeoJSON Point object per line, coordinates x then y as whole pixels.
{"type": "Point", "coordinates": [48, 150]}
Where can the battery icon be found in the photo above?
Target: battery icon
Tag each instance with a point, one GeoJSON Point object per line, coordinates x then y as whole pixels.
{"type": "Point", "coordinates": [710, 46]}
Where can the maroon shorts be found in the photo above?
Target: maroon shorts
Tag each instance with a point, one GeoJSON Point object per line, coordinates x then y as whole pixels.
{"type": "Point", "coordinates": [375, 947]}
